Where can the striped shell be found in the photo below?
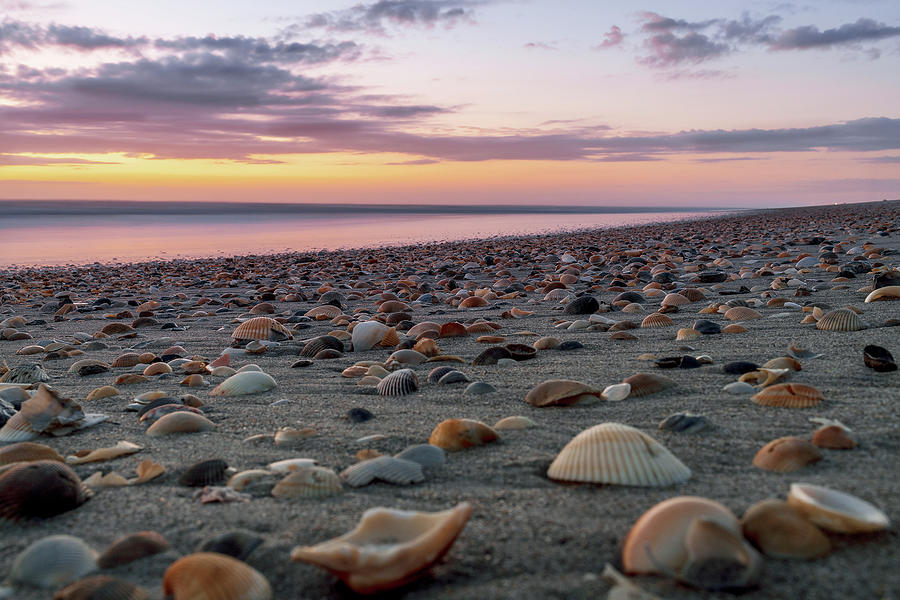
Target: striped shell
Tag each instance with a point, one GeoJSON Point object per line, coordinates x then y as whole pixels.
{"type": "Point", "coordinates": [180, 422]}
{"type": "Point", "coordinates": [27, 452]}
{"type": "Point", "coordinates": [674, 299]}
{"type": "Point", "coordinates": [261, 328]}
{"type": "Point", "coordinates": [657, 320]}
{"type": "Point", "coordinates": [786, 454]}
{"type": "Point", "coordinates": [644, 384]}
{"type": "Point", "coordinates": [101, 587]}
{"type": "Point", "coordinates": [788, 395]}
{"type": "Point", "coordinates": [429, 328]}
{"type": "Point", "coordinates": [323, 342]}
{"type": "Point", "coordinates": [309, 482]}
{"type": "Point", "coordinates": [842, 319]}
{"type": "Point", "coordinates": [617, 454]}
{"type": "Point", "coordinates": [473, 302]}
{"type": "Point", "coordinates": [325, 311]}
{"type": "Point", "coordinates": [399, 383]}
{"type": "Point", "coordinates": [562, 392]}
{"type": "Point", "coordinates": [685, 334]}
{"type": "Point", "coordinates": [53, 561]}
{"type": "Point", "coordinates": [39, 490]}
{"type": "Point", "coordinates": [25, 374]}
{"type": "Point", "coordinates": [742, 313]}
{"type": "Point", "coordinates": [459, 434]}
{"type": "Point", "coordinates": [132, 547]}
{"type": "Point", "coordinates": [213, 576]}
{"type": "Point", "coordinates": [424, 454]}
{"type": "Point", "coordinates": [245, 383]}
{"type": "Point", "coordinates": [384, 468]}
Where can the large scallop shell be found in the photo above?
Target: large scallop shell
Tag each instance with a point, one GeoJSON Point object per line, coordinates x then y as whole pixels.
{"type": "Point", "coordinates": [842, 319]}
{"type": "Point", "coordinates": [459, 434]}
{"type": "Point", "coordinates": [786, 454]}
{"type": "Point", "coordinates": [213, 576]}
{"type": "Point", "coordinates": [657, 320]}
{"type": "Point", "coordinates": [180, 422]}
{"type": "Point", "coordinates": [836, 511]}
{"type": "Point", "coordinates": [781, 531]}
{"type": "Point", "coordinates": [39, 489]}
{"type": "Point", "coordinates": [617, 454]}
{"type": "Point", "coordinates": [53, 561]}
{"type": "Point", "coordinates": [101, 587]}
{"type": "Point", "coordinates": [129, 359]}
{"type": "Point", "coordinates": [644, 384]}
{"type": "Point", "coordinates": [324, 311]}
{"type": "Point", "coordinates": [244, 383]}
{"type": "Point", "coordinates": [563, 392]}
{"type": "Point", "coordinates": [388, 548]}
{"type": "Point", "coordinates": [131, 547]}
{"type": "Point", "coordinates": [367, 335]}
{"type": "Point", "coordinates": [399, 383]}
{"type": "Point", "coordinates": [790, 395]}
{"type": "Point", "coordinates": [384, 468]}
{"type": "Point", "coordinates": [742, 313]}
{"type": "Point", "coordinates": [309, 482]}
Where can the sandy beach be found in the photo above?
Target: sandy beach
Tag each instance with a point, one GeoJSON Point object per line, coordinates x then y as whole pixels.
{"type": "Point", "coordinates": [528, 536]}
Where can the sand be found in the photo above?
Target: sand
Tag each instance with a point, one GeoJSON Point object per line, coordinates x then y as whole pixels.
{"type": "Point", "coordinates": [528, 537]}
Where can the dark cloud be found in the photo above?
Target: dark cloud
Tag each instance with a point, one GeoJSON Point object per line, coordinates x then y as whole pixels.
{"type": "Point", "coordinates": [863, 30]}
{"type": "Point", "coordinates": [611, 38]}
{"type": "Point", "coordinates": [263, 51]}
{"type": "Point", "coordinates": [667, 49]}
{"type": "Point", "coordinates": [85, 38]}
{"type": "Point", "coordinates": [654, 22]}
{"type": "Point", "coordinates": [721, 160]}
{"type": "Point", "coordinates": [402, 112]}
{"type": "Point", "coordinates": [409, 13]}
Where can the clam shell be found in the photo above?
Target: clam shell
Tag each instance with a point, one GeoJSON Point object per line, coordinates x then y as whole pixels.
{"type": "Point", "coordinates": [244, 383]}
{"type": "Point", "coordinates": [236, 544]}
{"type": "Point", "coordinates": [39, 489]}
{"type": "Point", "coordinates": [473, 302]}
{"type": "Point", "coordinates": [617, 454]}
{"type": "Point", "coordinates": [388, 548]}
{"type": "Point", "coordinates": [657, 320]}
{"type": "Point", "coordinates": [308, 482]}
{"type": "Point", "coordinates": [547, 343]}
{"type": "Point", "coordinates": [513, 423]}
{"type": "Point", "coordinates": [742, 313]}
{"type": "Point", "coordinates": [786, 454]}
{"type": "Point", "coordinates": [180, 422]}
{"type": "Point", "coordinates": [53, 561]}
{"type": "Point", "coordinates": [781, 531]}
{"type": "Point", "coordinates": [784, 362]}
{"type": "Point", "coordinates": [101, 587]}
{"type": "Point", "coordinates": [435, 374]}
{"type": "Point", "coordinates": [425, 454]}
{"type": "Point", "coordinates": [644, 384]}
{"type": "Point", "coordinates": [890, 292]}
{"type": "Point", "coordinates": [616, 392]}
{"type": "Point", "coordinates": [214, 576]}
{"type": "Point", "coordinates": [836, 511]}
{"type": "Point", "coordinates": [27, 452]}
{"type": "Point", "coordinates": [459, 434]}
{"type": "Point", "coordinates": [384, 468]}
{"type": "Point", "coordinates": [789, 395]}
{"type": "Point", "coordinates": [323, 342]}
{"type": "Point", "coordinates": [842, 319]}
{"type": "Point", "coordinates": [158, 368]}
{"type": "Point", "coordinates": [490, 356]}
{"type": "Point", "coordinates": [833, 437]}
{"type": "Point", "coordinates": [367, 334]}
{"type": "Point", "coordinates": [563, 392]}
{"type": "Point", "coordinates": [399, 383]}
{"type": "Point", "coordinates": [132, 547]}
{"type": "Point", "coordinates": [207, 472]}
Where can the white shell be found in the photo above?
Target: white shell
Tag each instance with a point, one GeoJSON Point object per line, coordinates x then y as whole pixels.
{"type": "Point", "coordinates": [836, 511]}
{"type": "Point", "coordinates": [291, 464]}
{"type": "Point", "coordinates": [616, 392]}
{"type": "Point", "coordinates": [53, 562]}
{"type": "Point", "coordinates": [367, 335]}
{"type": "Point", "coordinates": [399, 383]}
{"type": "Point", "coordinates": [244, 383]}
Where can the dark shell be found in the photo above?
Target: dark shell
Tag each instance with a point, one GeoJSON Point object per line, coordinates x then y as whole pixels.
{"type": "Point", "coordinates": [491, 355]}
{"type": "Point", "coordinates": [328, 353]}
{"type": "Point", "coordinates": [454, 376]}
{"type": "Point", "coordinates": [679, 362]}
{"type": "Point", "coordinates": [101, 587]}
{"type": "Point", "coordinates": [207, 472]}
{"type": "Point", "coordinates": [323, 342]}
{"type": "Point", "coordinates": [706, 327]}
{"type": "Point", "coordinates": [39, 490]}
{"type": "Point", "coordinates": [684, 422]}
{"type": "Point", "coordinates": [739, 367]}
{"type": "Point", "coordinates": [630, 296]}
{"type": "Point", "coordinates": [879, 358]}
{"type": "Point", "coordinates": [435, 375]}
{"type": "Point", "coordinates": [131, 547]}
{"type": "Point", "coordinates": [238, 544]}
{"type": "Point", "coordinates": [583, 305]}
{"type": "Point", "coordinates": [28, 452]}
{"type": "Point", "coordinates": [358, 415]}
{"type": "Point", "coordinates": [94, 369]}
{"type": "Point", "coordinates": [521, 351]}
{"type": "Point", "coordinates": [301, 363]}
{"type": "Point", "coordinates": [570, 345]}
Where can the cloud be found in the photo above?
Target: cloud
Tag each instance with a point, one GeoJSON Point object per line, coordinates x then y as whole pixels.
{"type": "Point", "coordinates": [611, 38]}
{"type": "Point", "coordinates": [8, 160]}
{"type": "Point", "coordinates": [373, 17]}
{"type": "Point", "coordinates": [85, 38]}
{"type": "Point", "coordinates": [421, 161]}
{"type": "Point", "coordinates": [540, 46]}
{"type": "Point", "coordinates": [882, 160]}
{"type": "Point", "coordinates": [667, 49]}
{"type": "Point", "coordinates": [260, 50]}
{"type": "Point", "coordinates": [804, 38]}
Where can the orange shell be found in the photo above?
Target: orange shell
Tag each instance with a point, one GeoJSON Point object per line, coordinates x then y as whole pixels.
{"type": "Point", "coordinates": [261, 328]}
{"type": "Point", "coordinates": [833, 437]}
{"type": "Point", "coordinates": [392, 306]}
{"type": "Point", "coordinates": [459, 434]}
{"type": "Point", "coordinates": [157, 368]}
{"type": "Point", "coordinates": [116, 328]}
{"type": "Point", "coordinates": [742, 313]}
{"type": "Point", "coordinates": [427, 346]}
{"type": "Point", "coordinates": [786, 454]}
{"type": "Point", "coordinates": [473, 302]}
{"type": "Point", "coordinates": [453, 329]}
{"type": "Point", "coordinates": [788, 395]}
{"type": "Point", "coordinates": [657, 320]}
{"type": "Point", "coordinates": [129, 359]}
{"type": "Point", "coordinates": [27, 452]}
{"type": "Point", "coordinates": [734, 328]}
{"type": "Point", "coordinates": [674, 299]}
{"type": "Point", "coordinates": [213, 576]}
{"type": "Point", "coordinates": [644, 384]}
{"type": "Point", "coordinates": [781, 531]}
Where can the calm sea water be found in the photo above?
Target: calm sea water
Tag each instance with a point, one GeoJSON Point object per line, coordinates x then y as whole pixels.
{"type": "Point", "coordinates": [61, 233]}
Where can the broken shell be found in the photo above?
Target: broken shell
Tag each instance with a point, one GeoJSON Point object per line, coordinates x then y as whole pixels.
{"type": "Point", "coordinates": [123, 448]}
{"type": "Point", "coordinates": [789, 395]}
{"type": "Point", "coordinates": [781, 531]}
{"type": "Point", "coordinates": [244, 383]}
{"type": "Point", "coordinates": [213, 575]}
{"type": "Point", "coordinates": [842, 319]}
{"type": "Point", "coordinates": [146, 471]}
{"type": "Point", "coordinates": [39, 489]}
{"type": "Point", "coordinates": [563, 392]}
{"type": "Point", "coordinates": [53, 561]}
{"type": "Point", "coordinates": [388, 548]}
{"type": "Point", "coordinates": [718, 558]}
{"type": "Point", "coordinates": [786, 454]}
{"type": "Point", "coordinates": [309, 482]}
{"type": "Point", "coordinates": [384, 468]}
{"type": "Point", "coordinates": [459, 434]}
{"type": "Point", "coordinates": [833, 437]}
{"type": "Point", "coordinates": [131, 547]}
{"type": "Point", "coordinates": [617, 454]}
{"type": "Point", "coordinates": [644, 384]}
{"type": "Point", "coordinates": [180, 422]}
{"type": "Point", "coordinates": [836, 511]}
{"type": "Point", "coordinates": [398, 383]}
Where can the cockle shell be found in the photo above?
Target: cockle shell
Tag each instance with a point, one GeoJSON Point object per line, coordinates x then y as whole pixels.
{"type": "Point", "coordinates": [473, 302]}
{"type": "Point", "coordinates": [644, 384]}
{"type": "Point", "coordinates": [563, 392]}
{"type": "Point", "coordinates": [399, 383]}
{"type": "Point", "coordinates": [320, 343]}
{"type": "Point", "coordinates": [407, 357]}
{"type": "Point", "coordinates": [214, 576]}
{"type": "Point", "coordinates": [836, 511]}
{"type": "Point", "coordinates": [309, 482]}
{"type": "Point", "coordinates": [674, 299]}
{"type": "Point", "coordinates": [781, 531]}
{"type": "Point", "coordinates": [789, 395]}
{"type": "Point", "coordinates": [25, 374]}
{"type": "Point", "coordinates": [101, 587]}
{"type": "Point", "coordinates": [180, 422]}
{"type": "Point", "coordinates": [27, 452]}
{"type": "Point", "coordinates": [687, 334]}
{"type": "Point", "coordinates": [842, 319]}
{"type": "Point", "coordinates": [325, 311]}
{"type": "Point", "coordinates": [427, 328]}
{"type": "Point", "coordinates": [657, 320]}
{"type": "Point", "coordinates": [741, 313]}
{"type": "Point", "coordinates": [425, 454]}
{"type": "Point", "coordinates": [482, 327]}
{"type": "Point", "coordinates": [617, 454]}
{"type": "Point", "coordinates": [427, 346]}
{"type": "Point", "coordinates": [786, 454]}
{"type": "Point", "coordinates": [459, 434]}
{"type": "Point", "coordinates": [453, 329]}
{"type": "Point", "coordinates": [388, 548]}
{"type": "Point", "coordinates": [53, 561]}
{"type": "Point", "coordinates": [245, 383]}
{"type": "Point", "coordinates": [131, 547]}
{"type": "Point", "coordinates": [890, 292]}
{"type": "Point", "coordinates": [384, 468]}
{"type": "Point", "coordinates": [367, 334]}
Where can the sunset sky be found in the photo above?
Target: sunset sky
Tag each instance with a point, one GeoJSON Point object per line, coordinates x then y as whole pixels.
{"type": "Point", "coordinates": [472, 101]}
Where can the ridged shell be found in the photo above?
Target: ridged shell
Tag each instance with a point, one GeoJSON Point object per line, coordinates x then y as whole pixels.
{"type": "Point", "coordinates": [367, 334]}
{"type": "Point", "coordinates": [388, 548]}
{"type": "Point", "coordinates": [425, 454]}
{"type": "Point", "coordinates": [473, 302]}
{"type": "Point", "coordinates": [261, 328]}
{"type": "Point", "coordinates": [323, 342]}
{"type": "Point", "coordinates": [788, 395]}
{"type": "Point", "coordinates": [581, 305]}
{"type": "Point", "coordinates": [309, 482]}
{"type": "Point", "coordinates": [842, 319]}
{"type": "Point", "coordinates": [889, 292]}
{"type": "Point", "coordinates": [425, 327]}
{"type": "Point", "coordinates": [399, 383]}
{"type": "Point", "coordinates": [132, 547]}
{"type": "Point", "coordinates": [180, 422]}
{"type": "Point", "coordinates": [674, 299]}
{"type": "Point", "coordinates": [39, 489]}
{"type": "Point", "coordinates": [427, 346]}
{"type": "Point", "coordinates": [685, 334]}
{"type": "Point", "coordinates": [213, 576]}
{"type": "Point", "coordinates": [481, 327]}
{"type": "Point", "coordinates": [741, 313]}
{"type": "Point", "coordinates": [325, 311]}
{"type": "Point", "coordinates": [25, 374]}
{"type": "Point", "coordinates": [245, 383]}
{"type": "Point", "coordinates": [490, 356]}
{"type": "Point", "coordinates": [101, 587]}
{"type": "Point", "coordinates": [27, 452]}
{"type": "Point", "coordinates": [836, 511]}
{"type": "Point", "coordinates": [786, 454]}
{"type": "Point", "coordinates": [617, 454]}
{"type": "Point", "coordinates": [562, 392]}
{"type": "Point", "coordinates": [781, 531]}
{"type": "Point", "coordinates": [53, 561]}
{"type": "Point", "coordinates": [435, 374]}
{"type": "Point", "coordinates": [644, 384]}
{"type": "Point", "coordinates": [657, 320]}
{"type": "Point", "coordinates": [459, 434]}
{"type": "Point", "coordinates": [207, 472]}
{"type": "Point", "coordinates": [384, 468]}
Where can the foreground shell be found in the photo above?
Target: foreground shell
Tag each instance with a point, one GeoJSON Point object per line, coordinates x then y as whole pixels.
{"type": "Point", "coordinates": [788, 395]}
{"type": "Point", "coordinates": [718, 558]}
{"type": "Point", "coordinates": [562, 392]}
{"type": "Point", "coordinates": [180, 422]}
{"type": "Point", "coordinates": [367, 335]}
{"type": "Point", "coordinates": [27, 452]}
{"type": "Point", "coordinates": [617, 454]}
{"type": "Point", "coordinates": [213, 576]}
{"type": "Point", "coordinates": [245, 383]}
{"type": "Point", "coordinates": [836, 511]}
{"type": "Point", "coordinates": [39, 490]}
{"type": "Point", "coordinates": [459, 434]}
{"type": "Point", "coordinates": [842, 319]}
{"type": "Point", "coordinates": [132, 547]}
{"type": "Point", "coordinates": [388, 548]}
{"type": "Point", "coordinates": [781, 531]}
{"type": "Point", "coordinates": [53, 561]}
{"type": "Point", "coordinates": [889, 292]}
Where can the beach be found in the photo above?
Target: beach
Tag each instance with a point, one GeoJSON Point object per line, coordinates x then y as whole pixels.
{"type": "Point", "coordinates": [528, 536]}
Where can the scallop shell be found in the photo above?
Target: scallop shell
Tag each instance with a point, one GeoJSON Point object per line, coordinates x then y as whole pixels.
{"type": "Point", "coordinates": [398, 383]}
{"type": "Point", "coordinates": [101, 587]}
{"type": "Point", "coordinates": [388, 548]}
{"type": "Point", "coordinates": [407, 357]}
{"type": "Point", "coordinates": [180, 422]}
{"type": "Point", "coordinates": [132, 547]}
{"type": "Point", "coordinates": [836, 511]}
{"type": "Point", "coordinates": [644, 384]}
{"type": "Point", "coordinates": [781, 531]}
{"type": "Point", "coordinates": [429, 328]}
{"type": "Point", "coordinates": [473, 302]}
{"type": "Point", "coordinates": [325, 311]}
{"type": "Point", "coordinates": [657, 320]}
{"type": "Point", "coordinates": [790, 395]}
{"type": "Point", "coordinates": [384, 468]}
{"type": "Point", "coordinates": [425, 454]}
{"type": "Point", "coordinates": [685, 334]}
{"type": "Point", "coordinates": [617, 454]}
{"type": "Point", "coordinates": [53, 561]}
{"type": "Point", "coordinates": [563, 392]}
{"type": "Point", "coordinates": [459, 434]}
{"type": "Point", "coordinates": [245, 383]}
{"type": "Point", "coordinates": [786, 454]}
{"type": "Point", "coordinates": [833, 437]}
{"type": "Point", "coordinates": [784, 362]}
{"type": "Point", "coordinates": [742, 313]}
{"type": "Point", "coordinates": [27, 452]}
{"type": "Point", "coordinates": [367, 334]}
{"type": "Point", "coordinates": [842, 319]}
{"type": "Point", "coordinates": [309, 482]}
{"type": "Point", "coordinates": [890, 292]}
{"type": "Point", "coordinates": [207, 472]}
{"type": "Point", "coordinates": [453, 329]}
{"type": "Point", "coordinates": [734, 328]}
{"type": "Point", "coordinates": [674, 299]}
{"type": "Point", "coordinates": [212, 575]}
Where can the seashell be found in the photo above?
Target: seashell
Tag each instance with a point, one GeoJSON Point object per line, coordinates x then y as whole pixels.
{"type": "Point", "coordinates": [459, 434]}
{"type": "Point", "coordinates": [582, 305]}
{"type": "Point", "coordinates": [836, 511]}
{"type": "Point", "coordinates": [764, 377]}
{"type": "Point", "coordinates": [521, 351]}
{"type": "Point", "coordinates": [407, 357]}
{"type": "Point", "coordinates": [622, 588]}
{"type": "Point", "coordinates": [180, 422]}
{"type": "Point", "coordinates": [399, 383]}
{"type": "Point", "coordinates": [784, 362]}
{"type": "Point", "coordinates": [369, 380]}
{"type": "Point", "coordinates": [158, 368]}
{"type": "Point", "coordinates": [388, 548]}
{"type": "Point", "coordinates": [706, 327]}
{"type": "Point", "coordinates": [734, 328]}
{"type": "Point", "coordinates": [384, 468]}
{"type": "Point", "coordinates": [353, 372]}
{"type": "Point", "coordinates": [879, 359]}
{"type": "Point", "coordinates": [644, 384]}
{"type": "Point", "coordinates": [25, 374]}
{"type": "Point", "coordinates": [427, 347]}
{"type": "Point", "coordinates": [684, 422]}
{"type": "Point", "coordinates": [655, 543]}
{"type": "Point", "coordinates": [616, 392]}
{"type": "Point", "coordinates": [786, 454]}
{"type": "Point", "coordinates": [212, 575]}
{"type": "Point", "coordinates": [482, 327]}
{"type": "Point", "coordinates": [781, 531]}
{"type": "Point", "coordinates": [236, 544]}
{"type": "Point", "coordinates": [453, 329]}
{"type": "Point", "coordinates": [327, 353]}
{"type": "Point", "coordinates": [657, 320]}
{"type": "Point", "coordinates": [325, 311]}
{"type": "Point", "coordinates": [195, 367]}
{"type": "Point", "coordinates": [132, 547]}
{"type": "Point", "coordinates": [477, 388]}
{"type": "Point", "coordinates": [392, 306]}
{"type": "Point", "coordinates": [490, 339]}
{"type": "Point", "coordinates": [742, 313]}
{"type": "Point", "coordinates": [622, 335]}
{"type": "Point", "coordinates": [146, 358]}
{"type": "Point", "coordinates": [474, 302]}
{"type": "Point", "coordinates": [739, 388]}
{"type": "Point", "coordinates": [29, 350]}
{"type": "Point", "coordinates": [490, 356]}
{"type": "Point", "coordinates": [546, 343]}
{"type": "Point", "coordinates": [367, 334]}
{"type": "Point", "coordinates": [309, 482]}
{"type": "Point", "coordinates": [687, 334]}
{"type": "Point", "coordinates": [146, 471]}
{"type": "Point", "coordinates": [53, 561]}
{"type": "Point", "coordinates": [390, 338]}
{"type": "Point", "coordinates": [453, 376]}
{"type": "Point", "coordinates": [841, 319]}
{"type": "Point", "coordinates": [250, 367]}
{"type": "Point", "coordinates": [435, 375]}
{"type": "Point", "coordinates": [425, 454]}
{"type": "Point", "coordinates": [44, 412]}
{"type": "Point", "coordinates": [116, 328]}
{"type": "Point", "coordinates": [789, 395]}
{"type": "Point", "coordinates": [27, 452]}
{"type": "Point", "coordinates": [674, 299]}
{"type": "Point", "coordinates": [130, 379]}
{"type": "Point", "coordinates": [207, 472]}
{"type": "Point", "coordinates": [797, 352]}
{"type": "Point", "coordinates": [101, 587]}
{"type": "Point", "coordinates": [890, 292]}
{"type": "Point", "coordinates": [367, 454]}
{"type": "Point", "coordinates": [634, 307]}
{"type": "Point", "coordinates": [833, 437]}
{"type": "Point", "coordinates": [244, 383]}
{"type": "Point", "coordinates": [563, 392]}
{"type": "Point", "coordinates": [617, 454]}
{"type": "Point", "coordinates": [239, 481]}
{"type": "Point", "coordinates": [287, 436]}
{"type": "Point", "coordinates": [123, 448]}
{"type": "Point", "coordinates": [425, 327]}
{"type": "Point", "coordinates": [105, 391]}
{"type": "Point", "coordinates": [718, 558]}
{"type": "Point", "coordinates": [291, 464]}
{"type": "Point", "coordinates": [512, 423]}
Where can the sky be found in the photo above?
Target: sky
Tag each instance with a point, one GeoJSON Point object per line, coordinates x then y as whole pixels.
{"type": "Point", "coordinates": [618, 103]}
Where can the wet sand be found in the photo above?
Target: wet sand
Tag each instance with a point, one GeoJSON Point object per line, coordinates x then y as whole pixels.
{"type": "Point", "coordinates": [528, 537]}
